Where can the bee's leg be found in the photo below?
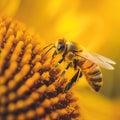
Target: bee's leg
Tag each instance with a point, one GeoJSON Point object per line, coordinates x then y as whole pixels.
{"type": "Point", "coordinates": [63, 57]}
{"type": "Point", "coordinates": [65, 52]}
{"type": "Point", "coordinates": [80, 75]}
{"type": "Point", "coordinates": [74, 79]}
{"type": "Point", "coordinates": [75, 63]}
{"type": "Point", "coordinates": [54, 53]}
{"type": "Point", "coordinates": [66, 68]}
{"type": "Point", "coordinates": [60, 61]}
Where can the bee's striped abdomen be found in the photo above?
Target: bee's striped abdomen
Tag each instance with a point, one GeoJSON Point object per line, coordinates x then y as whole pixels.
{"type": "Point", "coordinates": [92, 73]}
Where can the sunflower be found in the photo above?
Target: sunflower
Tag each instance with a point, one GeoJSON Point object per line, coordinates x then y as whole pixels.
{"type": "Point", "coordinates": [94, 24]}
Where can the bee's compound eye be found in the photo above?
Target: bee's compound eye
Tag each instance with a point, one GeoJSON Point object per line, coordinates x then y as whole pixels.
{"type": "Point", "coordinates": [60, 46]}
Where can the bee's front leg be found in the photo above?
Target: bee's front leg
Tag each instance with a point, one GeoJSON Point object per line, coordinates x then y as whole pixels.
{"type": "Point", "coordinates": [60, 61]}
{"type": "Point", "coordinates": [66, 68]}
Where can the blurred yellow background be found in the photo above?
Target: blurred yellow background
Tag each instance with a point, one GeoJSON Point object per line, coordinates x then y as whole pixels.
{"type": "Point", "coordinates": [92, 23]}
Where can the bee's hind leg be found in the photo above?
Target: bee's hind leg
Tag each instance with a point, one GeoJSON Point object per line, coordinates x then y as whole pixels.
{"type": "Point", "coordinates": [74, 79]}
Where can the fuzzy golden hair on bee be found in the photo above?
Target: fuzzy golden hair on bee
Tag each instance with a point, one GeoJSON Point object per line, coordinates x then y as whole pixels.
{"type": "Point", "coordinates": [83, 62]}
{"type": "Point", "coordinates": [30, 88]}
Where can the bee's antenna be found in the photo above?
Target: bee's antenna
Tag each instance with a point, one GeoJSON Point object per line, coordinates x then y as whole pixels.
{"type": "Point", "coordinates": [47, 46]}
{"type": "Point", "coordinates": [49, 49]}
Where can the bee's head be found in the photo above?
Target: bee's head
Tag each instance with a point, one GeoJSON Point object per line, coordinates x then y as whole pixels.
{"type": "Point", "coordinates": [60, 45]}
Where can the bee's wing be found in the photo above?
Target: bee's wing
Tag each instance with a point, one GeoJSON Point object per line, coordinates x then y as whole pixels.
{"type": "Point", "coordinates": [103, 61]}
{"type": "Point", "coordinates": [98, 59]}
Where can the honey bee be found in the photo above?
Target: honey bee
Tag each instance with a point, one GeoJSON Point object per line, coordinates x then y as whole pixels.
{"type": "Point", "coordinates": [82, 61]}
